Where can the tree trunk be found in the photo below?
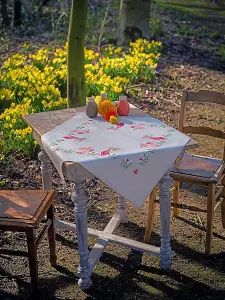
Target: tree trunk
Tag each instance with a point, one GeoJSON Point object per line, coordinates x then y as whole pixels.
{"type": "Point", "coordinates": [134, 20]}
{"type": "Point", "coordinates": [4, 13]}
{"type": "Point", "coordinates": [76, 89]}
{"type": "Point", "coordinates": [17, 12]}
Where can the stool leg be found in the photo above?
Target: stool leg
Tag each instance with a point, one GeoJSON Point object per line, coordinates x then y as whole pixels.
{"type": "Point", "coordinates": [32, 253]}
{"type": "Point", "coordinates": [223, 203]}
{"type": "Point", "coordinates": [51, 236]}
{"type": "Point", "coordinates": [210, 216]}
{"type": "Point", "coordinates": [151, 213]}
{"type": "Point", "coordinates": [175, 197]}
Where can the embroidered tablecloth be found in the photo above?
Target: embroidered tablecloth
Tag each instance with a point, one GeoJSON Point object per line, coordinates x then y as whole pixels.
{"type": "Point", "coordinates": [130, 157]}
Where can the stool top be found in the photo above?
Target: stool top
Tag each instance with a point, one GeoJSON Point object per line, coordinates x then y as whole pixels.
{"type": "Point", "coordinates": [24, 206]}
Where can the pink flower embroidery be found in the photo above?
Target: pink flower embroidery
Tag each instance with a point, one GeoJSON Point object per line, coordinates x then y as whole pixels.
{"type": "Point", "coordinates": [126, 163]}
{"type": "Point", "coordinates": [158, 138]}
{"type": "Point", "coordinates": [80, 139]}
{"type": "Point", "coordinates": [119, 125]}
{"type": "Point", "coordinates": [69, 137]}
{"type": "Point", "coordinates": [155, 138]}
{"type": "Point", "coordinates": [151, 144]}
{"type": "Point", "coordinates": [114, 149]}
{"type": "Point", "coordinates": [138, 126]}
{"type": "Point", "coordinates": [81, 131]}
{"type": "Point", "coordinates": [135, 171]}
{"type": "Point", "coordinates": [146, 145]}
{"type": "Point", "coordinates": [143, 145]}
{"type": "Point", "coordinates": [82, 152]}
{"type": "Point", "coordinates": [86, 148]}
{"type": "Point", "coordinates": [143, 160]}
{"type": "Point", "coordinates": [106, 152]}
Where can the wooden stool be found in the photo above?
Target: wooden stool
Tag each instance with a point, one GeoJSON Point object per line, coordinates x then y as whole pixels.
{"type": "Point", "coordinates": [23, 211]}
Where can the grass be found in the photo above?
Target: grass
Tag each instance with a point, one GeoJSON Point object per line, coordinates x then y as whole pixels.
{"type": "Point", "coordinates": [194, 20]}
{"type": "Point", "coordinates": [193, 7]}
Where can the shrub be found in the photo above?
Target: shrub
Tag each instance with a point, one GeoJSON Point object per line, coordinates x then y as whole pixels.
{"type": "Point", "coordinates": [221, 52]}
{"type": "Point", "coordinates": [156, 27]}
{"type": "Point", "coordinates": [36, 82]}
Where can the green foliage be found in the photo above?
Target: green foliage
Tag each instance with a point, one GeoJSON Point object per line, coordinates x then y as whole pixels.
{"type": "Point", "coordinates": [221, 52]}
{"type": "Point", "coordinates": [35, 82]}
{"type": "Point", "coordinates": [156, 27]}
{"type": "Point", "coordinates": [185, 29]}
{"type": "Point", "coordinates": [216, 35]}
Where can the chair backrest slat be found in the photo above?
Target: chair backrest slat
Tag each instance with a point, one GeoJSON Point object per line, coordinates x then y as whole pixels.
{"type": "Point", "coordinates": [206, 96]}
{"type": "Point", "coordinates": [202, 96]}
{"type": "Point", "coordinates": [205, 131]}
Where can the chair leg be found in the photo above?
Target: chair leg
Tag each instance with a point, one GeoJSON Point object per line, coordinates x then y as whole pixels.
{"type": "Point", "coordinates": [210, 216]}
{"type": "Point", "coordinates": [223, 204]}
{"type": "Point", "coordinates": [32, 255]}
{"type": "Point", "coordinates": [175, 198]}
{"type": "Point", "coordinates": [151, 212]}
{"type": "Point", "coordinates": [51, 236]}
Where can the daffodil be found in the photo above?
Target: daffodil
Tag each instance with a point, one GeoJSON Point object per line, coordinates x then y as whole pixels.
{"type": "Point", "coordinates": [37, 82]}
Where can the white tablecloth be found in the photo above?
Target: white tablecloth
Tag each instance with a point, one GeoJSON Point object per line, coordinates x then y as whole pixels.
{"type": "Point", "coordinates": [130, 157]}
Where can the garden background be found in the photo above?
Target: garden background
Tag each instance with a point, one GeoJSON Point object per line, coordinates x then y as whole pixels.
{"type": "Point", "coordinates": [188, 52]}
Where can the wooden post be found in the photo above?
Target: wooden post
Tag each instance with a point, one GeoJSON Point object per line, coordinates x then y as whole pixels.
{"type": "Point", "coordinates": [165, 185]}
{"type": "Point", "coordinates": [76, 90]}
{"type": "Point", "coordinates": [84, 270]}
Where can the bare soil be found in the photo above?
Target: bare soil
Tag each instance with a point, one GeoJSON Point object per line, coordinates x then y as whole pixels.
{"type": "Point", "coordinates": [122, 273]}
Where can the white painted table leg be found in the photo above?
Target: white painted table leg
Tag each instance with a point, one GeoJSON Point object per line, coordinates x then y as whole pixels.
{"type": "Point", "coordinates": [46, 170]}
{"type": "Point", "coordinates": [165, 185]}
{"type": "Point", "coordinates": [84, 270]}
{"type": "Point", "coordinates": [122, 206]}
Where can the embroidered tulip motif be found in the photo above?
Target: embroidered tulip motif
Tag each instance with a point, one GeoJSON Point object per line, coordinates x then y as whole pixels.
{"type": "Point", "coordinates": [119, 125]}
{"type": "Point", "coordinates": [158, 138]}
{"type": "Point", "coordinates": [138, 126]}
{"type": "Point", "coordinates": [126, 163]}
{"type": "Point", "coordinates": [106, 152]}
{"type": "Point", "coordinates": [81, 131]}
{"type": "Point", "coordinates": [73, 137]}
{"type": "Point", "coordinates": [69, 137]}
{"type": "Point", "coordinates": [143, 160]}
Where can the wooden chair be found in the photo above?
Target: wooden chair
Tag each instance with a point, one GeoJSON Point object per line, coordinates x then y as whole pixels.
{"type": "Point", "coordinates": [199, 170]}
{"type": "Point", "coordinates": [23, 211]}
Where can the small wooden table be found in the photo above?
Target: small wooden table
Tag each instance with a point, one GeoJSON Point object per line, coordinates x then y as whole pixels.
{"type": "Point", "coordinates": [46, 121]}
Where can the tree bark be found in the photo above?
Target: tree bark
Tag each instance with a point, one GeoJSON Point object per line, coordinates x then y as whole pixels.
{"type": "Point", "coordinates": [76, 88]}
{"type": "Point", "coordinates": [133, 20]}
{"type": "Point", "coordinates": [4, 13]}
{"type": "Point", "coordinates": [17, 12]}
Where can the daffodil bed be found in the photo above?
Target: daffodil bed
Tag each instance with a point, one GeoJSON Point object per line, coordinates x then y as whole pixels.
{"type": "Point", "coordinates": [35, 82]}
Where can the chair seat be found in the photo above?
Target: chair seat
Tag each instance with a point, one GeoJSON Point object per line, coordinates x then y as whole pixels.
{"type": "Point", "coordinates": [24, 206]}
{"type": "Point", "coordinates": [193, 168]}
